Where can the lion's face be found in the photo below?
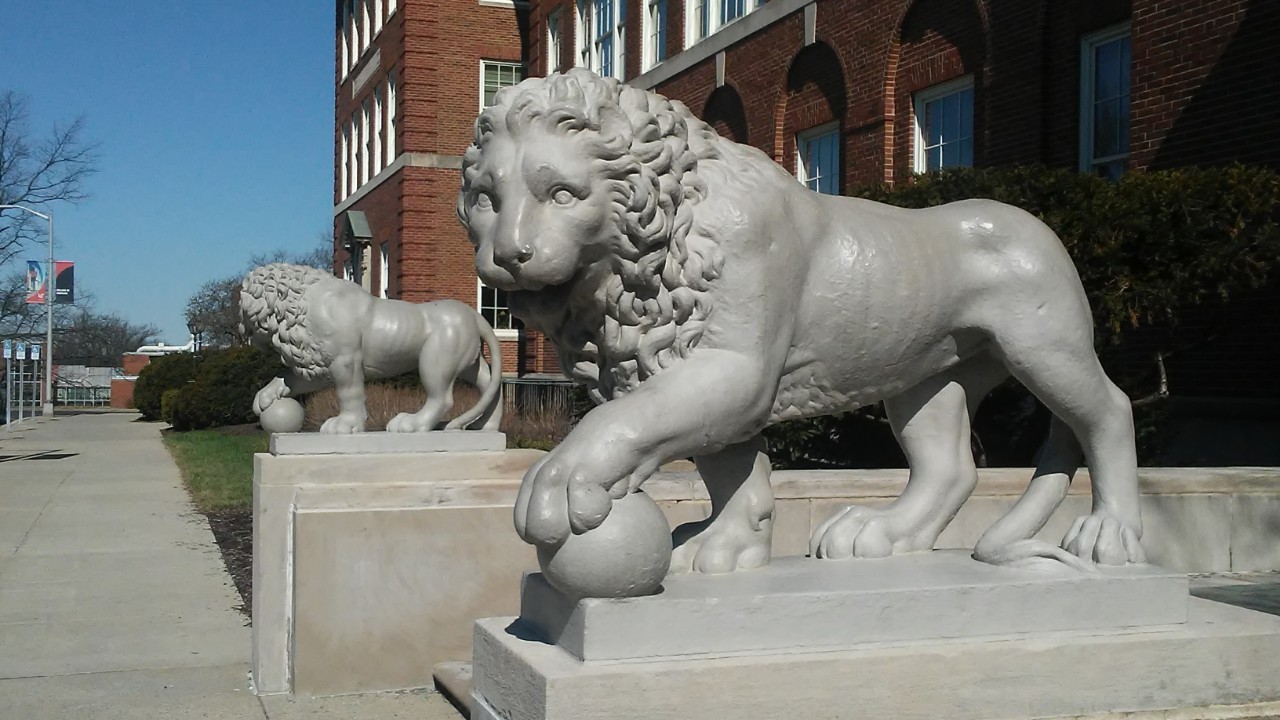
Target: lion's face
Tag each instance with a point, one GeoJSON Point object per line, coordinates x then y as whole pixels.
{"type": "Point", "coordinates": [540, 210]}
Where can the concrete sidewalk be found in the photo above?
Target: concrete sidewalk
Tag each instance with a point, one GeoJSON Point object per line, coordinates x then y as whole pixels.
{"type": "Point", "coordinates": [114, 602]}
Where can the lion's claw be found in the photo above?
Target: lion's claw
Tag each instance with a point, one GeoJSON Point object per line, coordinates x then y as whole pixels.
{"type": "Point", "coordinates": [342, 425]}
{"type": "Point", "coordinates": [715, 547]}
{"type": "Point", "coordinates": [1104, 539]}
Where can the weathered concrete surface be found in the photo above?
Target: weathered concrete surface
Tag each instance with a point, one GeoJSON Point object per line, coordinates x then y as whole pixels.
{"type": "Point", "coordinates": [802, 604]}
{"type": "Point", "coordinates": [386, 442]}
{"type": "Point", "coordinates": [1223, 656]}
{"type": "Point", "coordinates": [114, 604]}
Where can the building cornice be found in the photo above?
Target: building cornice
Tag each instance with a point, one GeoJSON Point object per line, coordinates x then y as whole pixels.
{"type": "Point", "coordinates": [427, 160]}
{"type": "Point", "coordinates": [735, 32]}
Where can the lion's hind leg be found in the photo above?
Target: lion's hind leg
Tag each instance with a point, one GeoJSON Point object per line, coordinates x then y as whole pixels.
{"type": "Point", "coordinates": [1060, 368]}
{"type": "Point", "coordinates": [449, 349]}
{"type": "Point", "coordinates": [478, 375]}
{"type": "Point", "coordinates": [739, 533]}
{"type": "Point", "coordinates": [931, 422]}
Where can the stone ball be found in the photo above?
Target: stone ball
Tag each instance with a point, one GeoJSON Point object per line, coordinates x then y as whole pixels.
{"type": "Point", "coordinates": [628, 555]}
{"type": "Point", "coordinates": [285, 415]}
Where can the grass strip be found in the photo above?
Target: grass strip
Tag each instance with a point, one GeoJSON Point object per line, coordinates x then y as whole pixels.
{"type": "Point", "coordinates": [217, 467]}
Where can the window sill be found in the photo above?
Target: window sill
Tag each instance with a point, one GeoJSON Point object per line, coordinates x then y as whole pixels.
{"type": "Point", "coordinates": [507, 334]}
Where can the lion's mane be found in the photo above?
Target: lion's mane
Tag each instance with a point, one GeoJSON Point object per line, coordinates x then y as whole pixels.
{"type": "Point", "coordinates": [272, 308]}
{"type": "Point", "coordinates": [656, 301]}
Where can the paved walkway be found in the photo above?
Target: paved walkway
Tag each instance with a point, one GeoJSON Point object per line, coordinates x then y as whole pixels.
{"type": "Point", "coordinates": [114, 603]}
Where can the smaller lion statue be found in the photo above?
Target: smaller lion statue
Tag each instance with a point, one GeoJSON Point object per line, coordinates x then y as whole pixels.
{"type": "Point", "coordinates": [332, 333]}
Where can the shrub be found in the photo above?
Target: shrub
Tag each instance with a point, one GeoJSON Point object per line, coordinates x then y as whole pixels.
{"type": "Point", "coordinates": [164, 373]}
{"type": "Point", "coordinates": [1148, 249]}
{"type": "Point", "coordinates": [223, 389]}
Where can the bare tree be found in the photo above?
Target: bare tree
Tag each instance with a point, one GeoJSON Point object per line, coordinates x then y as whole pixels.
{"type": "Point", "coordinates": [99, 339]}
{"type": "Point", "coordinates": [213, 309]}
{"type": "Point", "coordinates": [37, 172]}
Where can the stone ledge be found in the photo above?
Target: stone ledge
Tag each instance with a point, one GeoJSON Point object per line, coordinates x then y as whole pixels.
{"type": "Point", "coordinates": [825, 604]}
{"type": "Point", "coordinates": [383, 443]}
{"type": "Point", "coordinates": [1222, 656]}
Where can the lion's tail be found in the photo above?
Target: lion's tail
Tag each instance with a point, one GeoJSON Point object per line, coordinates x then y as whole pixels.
{"type": "Point", "coordinates": [489, 406]}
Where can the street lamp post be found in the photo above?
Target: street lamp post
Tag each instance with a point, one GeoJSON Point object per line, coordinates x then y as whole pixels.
{"type": "Point", "coordinates": [49, 292]}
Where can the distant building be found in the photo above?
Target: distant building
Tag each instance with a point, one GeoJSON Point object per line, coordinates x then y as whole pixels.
{"type": "Point", "coordinates": [411, 77]}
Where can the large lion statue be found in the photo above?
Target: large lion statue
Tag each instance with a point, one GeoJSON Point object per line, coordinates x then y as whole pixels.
{"type": "Point", "coordinates": [331, 332]}
{"type": "Point", "coordinates": [702, 293]}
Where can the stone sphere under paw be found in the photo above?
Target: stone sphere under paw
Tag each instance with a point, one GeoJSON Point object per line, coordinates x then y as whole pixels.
{"type": "Point", "coordinates": [628, 555]}
{"type": "Point", "coordinates": [285, 415]}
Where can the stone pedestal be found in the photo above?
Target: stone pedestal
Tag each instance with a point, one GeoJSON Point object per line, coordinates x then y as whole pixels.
{"type": "Point", "coordinates": [920, 636]}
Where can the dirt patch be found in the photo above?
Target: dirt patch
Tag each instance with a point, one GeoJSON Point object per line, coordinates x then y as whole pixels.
{"type": "Point", "coordinates": [233, 530]}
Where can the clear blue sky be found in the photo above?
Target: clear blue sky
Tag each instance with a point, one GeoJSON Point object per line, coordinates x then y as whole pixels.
{"type": "Point", "coordinates": [215, 121]}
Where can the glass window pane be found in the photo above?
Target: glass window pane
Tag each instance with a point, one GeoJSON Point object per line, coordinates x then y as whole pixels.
{"type": "Point", "coordinates": [951, 118]}
{"type": "Point", "coordinates": [933, 159]}
{"type": "Point", "coordinates": [951, 154]}
{"type": "Point", "coordinates": [1124, 66]}
{"type": "Point", "coordinates": [1105, 142]}
{"type": "Point", "coordinates": [1122, 123]}
{"type": "Point", "coordinates": [933, 123]}
{"type": "Point", "coordinates": [966, 113]}
{"type": "Point", "coordinates": [966, 153]}
{"type": "Point", "coordinates": [1106, 72]}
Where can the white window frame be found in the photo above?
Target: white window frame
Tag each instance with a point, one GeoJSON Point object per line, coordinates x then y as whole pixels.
{"type": "Point", "coordinates": [1088, 44]}
{"type": "Point", "coordinates": [653, 51]}
{"type": "Point", "coordinates": [377, 17]}
{"type": "Point", "coordinates": [356, 50]}
{"type": "Point", "coordinates": [364, 142]}
{"type": "Point", "coordinates": [920, 102]}
{"type": "Point", "coordinates": [344, 179]}
{"type": "Point", "coordinates": [366, 20]}
{"type": "Point", "coordinates": [377, 131]}
{"type": "Point", "coordinates": [346, 40]}
{"type": "Point", "coordinates": [802, 142]}
{"type": "Point", "coordinates": [587, 40]}
{"type": "Point", "coordinates": [713, 10]}
{"type": "Point", "coordinates": [499, 63]}
{"type": "Point", "coordinates": [390, 153]}
{"type": "Point", "coordinates": [502, 333]}
{"type": "Point", "coordinates": [355, 153]}
{"type": "Point", "coordinates": [384, 270]}
{"type": "Point", "coordinates": [554, 35]}
{"type": "Point", "coordinates": [391, 8]}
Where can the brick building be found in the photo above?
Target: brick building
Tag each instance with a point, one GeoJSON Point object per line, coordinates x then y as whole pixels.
{"type": "Point", "coordinates": [850, 92]}
{"type": "Point", "coordinates": [410, 78]}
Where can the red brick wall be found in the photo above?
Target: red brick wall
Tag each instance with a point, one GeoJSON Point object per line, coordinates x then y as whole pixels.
{"type": "Point", "coordinates": [1199, 77]}
{"type": "Point", "coordinates": [436, 48]}
{"type": "Point", "coordinates": [132, 363]}
{"type": "Point", "coordinates": [122, 394]}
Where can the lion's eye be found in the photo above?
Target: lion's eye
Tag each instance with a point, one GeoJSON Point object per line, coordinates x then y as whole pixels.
{"type": "Point", "coordinates": [484, 201]}
{"type": "Point", "coordinates": [562, 196]}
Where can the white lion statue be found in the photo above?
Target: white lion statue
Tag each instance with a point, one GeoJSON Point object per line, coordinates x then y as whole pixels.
{"type": "Point", "coordinates": [702, 293]}
{"type": "Point", "coordinates": [331, 332]}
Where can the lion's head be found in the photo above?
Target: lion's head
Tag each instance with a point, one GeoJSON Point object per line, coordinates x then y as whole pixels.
{"type": "Point", "coordinates": [574, 181]}
{"type": "Point", "coordinates": [274, 315]}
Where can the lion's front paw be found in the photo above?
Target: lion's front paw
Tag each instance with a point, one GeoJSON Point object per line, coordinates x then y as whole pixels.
{"type": "Point", "coordinates": [1102, 538]}
{"type": "Point", "coordinates": [265, 397]}
{"type": "Point", "coordinates": [722, 545]}
{"type": "Point", "coordinates": [564, 493]}
{"type": "Point", "coordinates": [411, 423]}
{"type": "Point", "coordinates": [864, 532]}
{"type": "Point", "coordinates": [343, 425]}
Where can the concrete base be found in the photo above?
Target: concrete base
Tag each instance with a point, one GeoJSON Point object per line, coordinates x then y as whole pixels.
{"type": "Point", "coordinates": [387, 442]}
{"type": "Point", "coordinates": [1223, 655]}
{"type": "Point", "coordinates": [802, 603]}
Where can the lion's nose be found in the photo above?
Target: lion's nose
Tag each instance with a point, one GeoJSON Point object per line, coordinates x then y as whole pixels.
{"type": "Point", "coordinates": [509, 255]}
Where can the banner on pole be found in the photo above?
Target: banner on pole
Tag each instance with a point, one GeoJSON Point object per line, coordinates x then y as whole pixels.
{"type": "Point", "coordinates": [35, 351]}
{"type": "Point", "coordinates": [64, 282]}
{"type": "Point", "coordinates": [35, 282]}
{"type": "Point", "coordinates": [20, 350]}
{"type": "Point", "coordinates": [8, 349]}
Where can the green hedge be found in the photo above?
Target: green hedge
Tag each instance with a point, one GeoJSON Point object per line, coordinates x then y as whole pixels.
{"type": "Point", "coordinates": [222, 392]}
{"type": "Point", "coordinates": [164, 373]}
{"type": "Point", "coordinates": [1148, 248]}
